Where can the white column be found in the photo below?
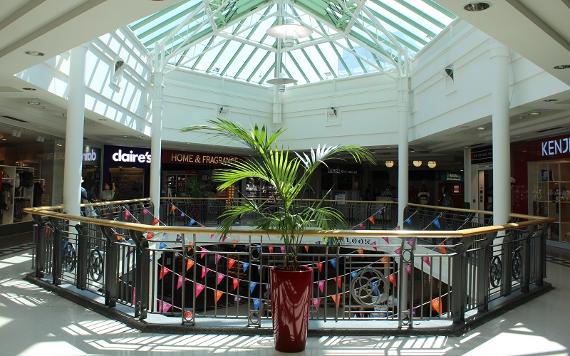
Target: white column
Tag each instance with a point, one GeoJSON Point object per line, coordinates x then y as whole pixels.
{"type": "Point", "coordinates": [500, 59]}
{"type": "Point", "coordinates": [467, 177]}
{"type": "Point", "coordinates": [74, 131]}
{"type": "Point", "coordinates": [156, 141]}
{"type": "Point", "coordinates": [403, 117]}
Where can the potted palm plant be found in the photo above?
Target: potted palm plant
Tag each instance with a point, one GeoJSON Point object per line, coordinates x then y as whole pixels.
{"type": "Point", "coordinates": [288, 174]}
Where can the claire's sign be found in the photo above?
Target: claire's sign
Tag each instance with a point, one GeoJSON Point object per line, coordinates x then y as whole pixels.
{"type": "Point", "coordinates": [127, 156]}
{"type": "Point", "coordinates": [194, 158]}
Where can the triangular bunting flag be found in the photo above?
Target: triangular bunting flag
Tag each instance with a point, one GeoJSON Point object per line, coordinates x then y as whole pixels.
{"type": "Point", "coordinates": [332, 261]}
{"type": "Point", "coordinates": [426, 260]}
{"type": "Point", "coordinates": [203, 252]}
{"type": "Point", "coordinates": [252, 286]}
{"type": "Point", "coordinates": [392, 279]}
{"type": "Point", "coordinates": [155, 221]}
{"type": "Point", "coordinates": [180, 282]}
{"type": "Point", "coordinates": [408, 221]}
{"type": "Point", "coordinates": [282, 248]}
{"type": "Point", "coordinates": [270, 248]}
{"type": "Point", "coordinates": [204, 271]}
{"type": "Point", "coordinates": [374, 286]}
{"type": "Point", "coordinates": [353, 274]}
{"type": "Point", "coordinates": [306, 247]}
{"type": "Point", "coordinates": [218, 295]}
{"type": "Point", "coordinates": [361, 226]}
{"type": "Point", "coordinates": [126, 215]}
{"type": "Point", "coordinates": [245, 266]}
{"type": "Point", "coordinates": [256, 304]}
{"type": "Point", "coordinates": [338, 281]}
{"type": "Point", "coordinates": [189, 263]}
{"type": "Point", "coordinates": [320, 267]}
{"type": "Point", "coordinates": [231, 263]}
{"type": "Point", "coordinates": [235, 283]}
{"type": "Point", "coordinates": [442, 249]}
{"type": "Point", "coordinates": [386, 260]}
{"type": "Point", "coordinates": [436, 305]}
{"type": "Point", "coordinates": [436, 223]}
{"type": "Point", "coordinates": [217, 258]}
{"type": "Point", "coordinates": [182, 214]}
{"type": "Point", "coordinates": [316, 302]}
{"type": "Point", "coordinates": [336, 299]}
{"type": "Point", "coordinates": [199, 288]}
{"type": "Point", "coordinates": [411, 242]}
{"type": "Point", "coordinates": [360, 251]}
{"type": "Point", "coordinates": [398, 251]}
{"type": "Point", "coordinates": [237, 298]}
{"type": "Point", "coordinates": [374, 246]}
{"type": "Point", "coordinates": [372, 219]}
{"type": "Point", "coordinates": [118, 237]}
{"type": "Point", "coordinates": [219, 278]}
{"type": "Point", "coordinates": [191, 222]}
{"type": "Point", "coordinates": [145, 212]}
{"type": "Point", "coordinates": [162, 245]}
{"type": "Point", "coordinates": [163, 272]}
{"type": "Point", "coordinates": [173, 208]}
{"type": "Point", "coordinates": [387, 239]}
{"type": "Point", "coordinates": [322, 286]}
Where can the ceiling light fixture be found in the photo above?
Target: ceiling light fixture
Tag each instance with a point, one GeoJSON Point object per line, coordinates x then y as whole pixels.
{"type": "Point", "coordinates": [29, 89]}
{"type": "Point", "coordinates": [476, 6]}
{"type": "Point", "coordinates": [480, 128]}
{"type": "Point", "coordinates": [34, 102]}
{"type": "Point", "coordinates": [289, 30]}
{"type": "Point", "coordinates": [534, 113]}
{"type": "Point", "coordinates": [389, 164]}
{"type": "Point", "coordinates": [281, 81]}
{"type": "Point", "coordinates": [550, 100]}
{"type": "Point", "coordinates": [562, 66]}
{"type": "Point", "coordinates": [432, 164]}
{"type": "Point", "coordinates": [417, 163]}
{"type": "Point", "coordinates": [35, 53]}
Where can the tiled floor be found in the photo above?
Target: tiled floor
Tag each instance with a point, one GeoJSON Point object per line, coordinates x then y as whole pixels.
{"type": "Point", "coordinates": [36, 322]}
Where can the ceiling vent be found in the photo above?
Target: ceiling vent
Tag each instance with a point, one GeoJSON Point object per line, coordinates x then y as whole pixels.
{"type": "Point", "coordinates": [548, 130]}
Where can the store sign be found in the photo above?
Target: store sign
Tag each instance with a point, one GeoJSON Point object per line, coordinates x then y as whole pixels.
{"type": "Point", "coordinates": [453, 177]}
{"type": "Point", "coordinates": [119, 156]}
{"type": "Point", "coordinates": [555, 147]}
{"type": "Point", "coordinates": [91, 155]}
{"type": "Point", "coordinates": [482, 155]}
{"type": "Point", "coordinates": [342, 171]}
{"type": "Point", "coordinates": [180, 157]}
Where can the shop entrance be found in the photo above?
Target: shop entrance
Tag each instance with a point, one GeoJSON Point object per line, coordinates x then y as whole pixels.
{"type": "Point", "coordinates": [485, 189]}
{"type": "Point", "coordinates": [129, 182]}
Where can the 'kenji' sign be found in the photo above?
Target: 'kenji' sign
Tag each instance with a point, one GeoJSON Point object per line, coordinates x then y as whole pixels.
{"type": "Point", "coordinates": [555, 147]}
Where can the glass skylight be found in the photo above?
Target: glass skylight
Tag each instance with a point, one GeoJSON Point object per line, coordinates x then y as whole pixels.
{"type": "Point", "coordinates": [350, 37]}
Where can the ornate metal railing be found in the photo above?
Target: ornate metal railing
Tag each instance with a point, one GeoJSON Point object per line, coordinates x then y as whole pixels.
{"type": "Point", "coordinates": [192, 276]}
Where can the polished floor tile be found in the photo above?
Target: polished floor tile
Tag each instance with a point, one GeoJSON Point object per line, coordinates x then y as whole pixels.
{"type": "Point", "coordinates": [36, 322]}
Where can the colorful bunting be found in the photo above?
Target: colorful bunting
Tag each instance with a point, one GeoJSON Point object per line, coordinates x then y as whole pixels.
{"type": "Point", "coordinates": [320, 267]}
{"type": "Point", "coordinates": [126, 215]}
{"type": "Point", "coordinates": [360, 250]}
{"type": "Point", "coordinates": [182, 214]}
{"type": "Point", "coordinates": [118, 237]}
{"type": "Point", "coordinates": [316, 302]}
{"type": "Point", "coordinates": [270, 248]}
{"type": "Point", "coordinates": [409, 268]}
{"type": "Point", "coordinates": [353, 274]}
{"type": "Point", "coordinates": [256, 303]}
{"type": "Point", "coordinates": [436, 223]}
{"type": "Point", "coordinates": [231, 263]}
{"type": "Point", "coordinates": [219, 278]}
{"type": "Point", "coordinates": [375, 290]}
{"type": "Point", "coordinates": [374, 246]}
{"type": "Point", "coordinates": [252, 286]}
{"type": "Point", "coordinates": [203, 252]}
{"type": "Point", "coordinates": [163, 306]}
{"type": "Point", "coordinates": [361, 226]}
{"type": "Point", "coordinates": [199, 288]}
{"type": "Point", "coordinates": [408, 220]}
{"type": "Point", "coordinates": [163, 272]}
{"type": "Point", "coordinates": [392, 279]}
{"type": "Point", "coordinates": [245, 266]}
{"type": "Point", "coordinates": [180, 282]}
{"type": "Point", "coordinates": [338, 281]}
{"type": "Point", "coordinates": [162, 245]}
{"type": "Point", "coordinates": [155, 221]}
{"type": "Point", "coordinates": [437, 305]}
{"type": "Point", "coordinates": [426, 260]}
{"type": "Point", "coordinates": [332, 261]}
{"type": "Point", "coordinates": [282, 248]}
{"type": "Point", "coordinates": [398, 251]}
{"type": "Point", "coordinates": [235, 283]}
{"type": "Point", "coordinates": [191, 222]}
{"type": "Point", "coordinates": [306, 247]}
{"type": "Point", "coordinates": [218, 295]}
{"type": "Point", "coordinates": [442, 249]}
{"type": "Point", "coordinates": [411, 242]}
{"type": "Point", "coordinates": [372, 219]}
{"type": "Point", "coordinates": [387, 239]}
{"type": "Point", "coordinates": [173, 208]}
{"type": "Point", "coordinates": [386, 260]}
{"type": "Point", "coordinates": [145, 212]}
{"type": "Point", "coordinates": [189, 263]}
{"type": "Point", "coordinates": [205, 270]}
{"type": "Point", "coordinates": [336, 299]}
{"type": "Point", "coordinates": [322, 286]}
{"type": "Point", "coordinates": [217, 258]}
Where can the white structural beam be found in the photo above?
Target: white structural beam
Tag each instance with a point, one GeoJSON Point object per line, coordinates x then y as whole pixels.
{"type": "Point", "coordinates": [500, 60]}
{"type": "Point", "coordinates": [156, 132]}
{"type": "Point", "coordinates": [74, 132]}
{"type": "Point", "coordinates": [467, 177]}
{"type": "Point", "coordinates": [403, 117]}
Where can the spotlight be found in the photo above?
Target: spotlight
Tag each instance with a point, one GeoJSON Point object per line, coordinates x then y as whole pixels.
{"type": "Point", "coordinates": [432, 164]}
{"type": "Point", "coordinates": [562, 66]}
{"type": "Point", "coordinates": [389, 164]}
{"type": "Point", "coordinates": [417, 163]}
{"type": "Point", "coordinates": [476, 6]}
{"type": "Point", "coordinates": [35, 53]}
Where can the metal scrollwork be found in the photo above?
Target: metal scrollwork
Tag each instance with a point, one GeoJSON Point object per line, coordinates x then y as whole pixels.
{"type": "Point", "coordinates": [496, 271]}
{"type": "Point", "coordinates": [69, 257]}
{"type": "Point", "coordinates": [96, 265]}
{"type": "Point", "coordinates": [517, 264]}
{"type": "Point", "coordinates": [369, 287]}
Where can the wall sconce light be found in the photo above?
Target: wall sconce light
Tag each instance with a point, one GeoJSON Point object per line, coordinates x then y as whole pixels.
{"type": "Point", "coordinates": [432, 164]}
{"type": "Point", "coordinates": [417, 163]}
{"type": "Point", "coordinates": [389, 164]}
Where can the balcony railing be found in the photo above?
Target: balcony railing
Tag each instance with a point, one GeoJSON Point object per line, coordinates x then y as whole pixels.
{"type": "Point", "coordinates": [452, 269]}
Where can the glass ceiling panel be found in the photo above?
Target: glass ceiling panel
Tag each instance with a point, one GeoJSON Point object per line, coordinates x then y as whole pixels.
{"type": "Point", "coordinates": [350, 37]}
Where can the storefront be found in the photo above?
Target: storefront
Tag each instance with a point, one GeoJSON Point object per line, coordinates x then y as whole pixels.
{"type": "Point", "coordinates": [541, 182]}
{"type": "Point", "coordinates": [482, 178]}
{"type": "Point", "coordinates": [91, 171]}
{"type": "Point", "coordinates": [129, 169]}
{"type": "Point", "coordinates": [189, 174]}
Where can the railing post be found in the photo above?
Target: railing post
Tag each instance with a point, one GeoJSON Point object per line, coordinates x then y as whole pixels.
{"type": "Point", "coordinates": [483, 266]}
{"type": "Point", "coordinates": [507, 262]}
{"type": "Point", "coordinates": [40, 246]}
{"type": "Point", "coordinates": [142, 274]}
{"type": "Point", "coordinates": [525, 256]}
{"type": "Point", "coordinates": [111, 266]}
{"type": "Point", "coordinates": [57, 258]}
{"type": "Point", "coordinates": [459, 281]}
{"type": "Point", "coordinates": [543, 232]}
{"type": "Point", "coordinates": [406, 257]}
{"type": "Point", "coordinates": [82, 256]}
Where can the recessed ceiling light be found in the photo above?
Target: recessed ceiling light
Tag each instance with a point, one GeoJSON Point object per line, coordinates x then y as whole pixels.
{"type": "Point", "coordinates": [477, 6]}
{"type": "Point", "coordinates": [480, 128]}
{"type": "Point", "coordinates": [35, 53]}
{"type": "Point", "coordinates": [34, 102]}
{"type": "Point", "coordinates": [28, 89]}
{"type": "Point", "coordinates": [562, 66]}
{"type": "Point", "coordinates": [4, 139]}
{"type": "Point", "coordinates": [550, 100]}
{"type": "Point", "coordinates": [534, 113]}
{"type": "Point", "coordinates": [59, 144]}
{"type": "Point", "coordinates": [125, 136]}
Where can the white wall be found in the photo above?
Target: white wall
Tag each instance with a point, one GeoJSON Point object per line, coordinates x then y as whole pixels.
{"type": "Point", "coordinates": [129, 105]}
{"type": "Point", "coordinates": [440, 103]}
{"type": "Point", "coordinates": [366, 110]}
{"type": "Point", "coordinates": [192, 99]}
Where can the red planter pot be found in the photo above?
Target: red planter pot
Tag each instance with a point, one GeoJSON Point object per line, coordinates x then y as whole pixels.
{"type": "Point", "coordinates": [291, 293]}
